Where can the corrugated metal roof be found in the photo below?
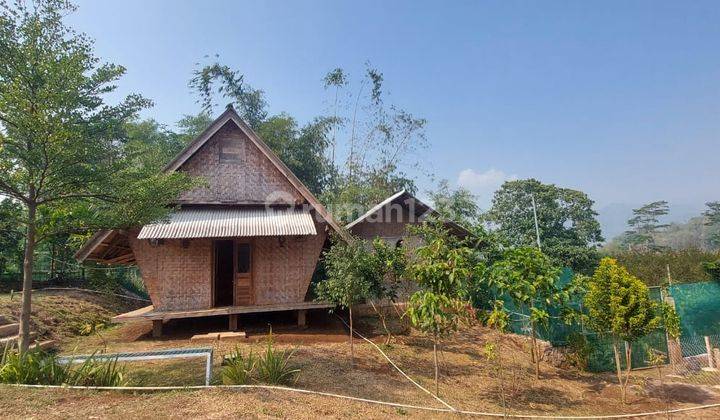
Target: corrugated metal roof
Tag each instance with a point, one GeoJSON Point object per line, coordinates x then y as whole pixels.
{"type": "Point", "coordinates": [231, 223]}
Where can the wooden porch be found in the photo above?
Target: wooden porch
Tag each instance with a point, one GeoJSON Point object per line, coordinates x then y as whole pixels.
{"type": "Point", "coordinates": [149, 313]}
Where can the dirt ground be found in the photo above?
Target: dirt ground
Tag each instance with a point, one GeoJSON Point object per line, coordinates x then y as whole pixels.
{"type": "Point", "coordinates": [469, 381]}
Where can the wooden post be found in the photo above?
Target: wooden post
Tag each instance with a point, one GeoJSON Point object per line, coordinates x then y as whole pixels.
{"type": "Point", "coordinates": [301, 318]}
{"type": "Point", "coordinates": [711, 362]}
{"type": "Point", "coordinates": [674, 348]}
{"type": "Point", "coordinates": [157, 328]}
{"type": "Point", "coordinates": [233, 322]}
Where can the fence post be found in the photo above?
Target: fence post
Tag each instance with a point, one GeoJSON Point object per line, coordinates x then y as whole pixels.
{"type": "Point", "coordinates": [711, 361]}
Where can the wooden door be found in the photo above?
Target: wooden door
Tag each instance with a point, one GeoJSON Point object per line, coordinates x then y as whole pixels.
{"type": "Point", "coordinates": [244, 294]}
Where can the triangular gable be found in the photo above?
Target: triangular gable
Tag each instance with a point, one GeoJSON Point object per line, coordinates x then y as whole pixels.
{"type": "Point", "coordinates": [421, 210]}
{"type": "Point", "coordinates": [231, 115]}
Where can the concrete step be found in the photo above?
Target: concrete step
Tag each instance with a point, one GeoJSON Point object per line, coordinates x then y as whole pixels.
{"type": "Point", "coordinates": [43, 345]}
{"type": "Point", "coordinates": [14, 338]}
{"type": "Point", "coordinates": [228, 335]}
{"type": "Point", "coordinates": [9, 329]}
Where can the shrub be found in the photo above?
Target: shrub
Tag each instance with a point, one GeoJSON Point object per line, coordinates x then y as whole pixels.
{"type": "Point", "coordinates": [37, 367]}
{"type": "Point", "coordinates": [238, 369]}
{"type": "Point", "coordinates": [579, 351]}
{"type": "Point", "coordinates": [274, 366]}
{"type": "Point", "coordinates": [93, 372]}
{"type": "Point", "coordinates": [33, 367]}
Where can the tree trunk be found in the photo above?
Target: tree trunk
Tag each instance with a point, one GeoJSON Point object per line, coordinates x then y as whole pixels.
{"type": "Point", "coordinates": [24, 336]}
{"type": "Point", "coordinates": [352, 348]}
{"type": "Point", "coordinates": [383, 321]}
{"type": "Point", "coordinates": [619, 370]}
{"type": "Point", "coordinates": [535, 355]}
{"type": "Point", "coordinates": [628, 368]}
{"type": "Point", "coordinates": [435, 359]}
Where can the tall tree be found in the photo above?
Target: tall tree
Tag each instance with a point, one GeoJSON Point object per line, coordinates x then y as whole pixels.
{"type": "Point", "coordinates": [301, 149]}
{"type": "Point", "coordinates": [11, 235]}
{"type": "Point", "coordinates": [380, 143]}
{"type": "Point", "coordinates": [644, 225]}
{"type": "Point", "coordinates": [567, 224]}
{"type": "Point", "coordinates": [712, 216]}
{"type": "Point", "coordinates": [458, 205]}
{"type": "Point", "coordinates": [215, 79]}
{"type": "Point", "coordinates": [62, 148]}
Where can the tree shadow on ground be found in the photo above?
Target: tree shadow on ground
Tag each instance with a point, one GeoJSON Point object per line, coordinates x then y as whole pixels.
{"type": "Point", "coordinates": [679, 393]}
{"type": "Point", "coordinates": [532, 397]}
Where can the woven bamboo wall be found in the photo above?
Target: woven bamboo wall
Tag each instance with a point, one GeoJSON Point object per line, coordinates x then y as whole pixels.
{"type": "Point", "coordinates": [385, 224]}
{"type": "Point", "coordinates": [236, 171]}
{"type": "Point", "coordinates": [282, 274]}
{"type": "Point", "coordinates": [177, 278]}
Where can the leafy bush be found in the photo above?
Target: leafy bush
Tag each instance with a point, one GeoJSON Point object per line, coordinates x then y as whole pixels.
{"type": "Point", "coordinates": [32, 367]}
{"type": "Point", "coordinates": [238, 369]}
{"type": "Point", "coordinates": [579, 351]}
{"type": "Point", "coordinates": [37, 367]}
{"type": "Point", "coordinates": [274, 366]}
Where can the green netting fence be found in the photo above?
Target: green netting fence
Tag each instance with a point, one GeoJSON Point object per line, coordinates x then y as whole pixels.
{"type": "Point", "coordinates": [559, 333]}
{"type": "Point", "coordinates": [697, 304]}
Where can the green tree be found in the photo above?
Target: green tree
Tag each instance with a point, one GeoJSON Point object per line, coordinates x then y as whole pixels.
{"type": "Point", "coordinates": [619, 305]}
{"type": "Point", "coordinates": [644, 225]}
{"type": "Point", "coordinates": [458, 205]}
{"type": "Point", "coordinates": [152, 144]}
{"type": "Point", "coordinates": [62, 148]}
{"type": "Point", "coordinates": [569, 230]}
{"type": "Point", "coordinates": [347, 282]}
{"type": "Point", "coordinates": [215, 79]}
{"type": "Point", "coordinates": [11, 236]}
{"type": "Point", "coordinates": [358, 273]}
{"type": "Point", "coordinates": [381, 141]}
{"type": "Point", "coordinates": [301, 149]}
{"type": "Point", "coordinates": [444, 269]}
{"type": "Point", "coordinates": [384, 269]}
{"type": "Point", "coordinates": [529, 278]}
{"type": "Point", "coordinates": [712, 216]}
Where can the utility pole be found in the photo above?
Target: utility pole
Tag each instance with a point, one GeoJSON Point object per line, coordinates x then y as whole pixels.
{"type": "Point", "coordinates": [537, 228]}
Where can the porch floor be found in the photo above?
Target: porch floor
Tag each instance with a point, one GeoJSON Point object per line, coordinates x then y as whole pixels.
{"type": "Point", "coordinates": [149, 313]}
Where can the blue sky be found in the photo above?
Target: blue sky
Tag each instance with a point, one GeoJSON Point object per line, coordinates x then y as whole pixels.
{"type": "Point", "coordinates": [618, 99]}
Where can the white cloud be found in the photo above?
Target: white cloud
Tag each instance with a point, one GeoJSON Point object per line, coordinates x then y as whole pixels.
{"type": "Point", "coordinates": [483, 184]}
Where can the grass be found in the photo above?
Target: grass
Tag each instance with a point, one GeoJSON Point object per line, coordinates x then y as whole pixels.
{"type": "Point", "coordinates": [60, 315]}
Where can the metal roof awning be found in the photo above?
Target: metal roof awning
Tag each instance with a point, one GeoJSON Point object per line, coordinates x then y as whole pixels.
{"type": "Point", "coordinates": [230, 223]}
